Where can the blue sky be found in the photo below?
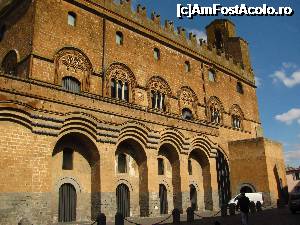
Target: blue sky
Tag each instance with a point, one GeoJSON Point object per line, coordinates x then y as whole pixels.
{"type": "Point", "coordinates": [274, 44]}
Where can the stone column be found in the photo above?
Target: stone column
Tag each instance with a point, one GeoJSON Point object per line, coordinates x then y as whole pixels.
{"type": "Point", "coordinates": [185, 190]}
{"type": "Point", "coordinates": [214, 184]}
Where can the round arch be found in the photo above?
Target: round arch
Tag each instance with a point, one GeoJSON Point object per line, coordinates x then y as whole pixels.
{"type": "Point", "coordinates": [83, 174]}
{"type": "Point", "coordinates": [247, 188]}
{"type": "Point", "coordinates": [201, 173]}
{"type": "Point", "coordinates": [134, 149]}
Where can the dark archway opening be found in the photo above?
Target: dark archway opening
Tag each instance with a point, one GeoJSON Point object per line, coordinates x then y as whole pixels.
{"type": "Point", "coordinates": [169, 151]}
{"type": "Point", "coordinates": [67, 203]}
{"type": "Point", "coordinates": [223, 179]}
{"type": "Point", "coordinates": [193, 197]}
{"type": "Point", "coordinates": [136, 151]}
{"type": "Point", "coordinates": [163, 199]}
{"type": "Point", "coordinates": [123, 200]}
{"type": "Point", "coordinates": [246, 189]}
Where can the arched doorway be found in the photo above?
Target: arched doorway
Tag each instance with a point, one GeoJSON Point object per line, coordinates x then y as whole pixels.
{"type": "Point", "coordinates": [200, 173]}
{"type": "Point", "coordinates": [246, 189]}
{"type": "Point", "coordinates": [193, 197]}
{"type": "Point", "coordinates": [172, 173]}
{"type": "Point", "coordinates": [163, 199]}
{"type": "Point", "coordinates": [223, 179]}
{"type": "Point", "coordinates": [75, 158]}
{"type": "Point", "coordinates": [131, 165]}
{"type": "Point", "coordinates": [123, 200]}
{"type": "Point", "coordinates": [67, 203]}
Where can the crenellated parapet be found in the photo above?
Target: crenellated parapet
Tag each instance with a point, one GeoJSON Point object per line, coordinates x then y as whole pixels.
{"type": "Point", "coordinates": [236, 62]}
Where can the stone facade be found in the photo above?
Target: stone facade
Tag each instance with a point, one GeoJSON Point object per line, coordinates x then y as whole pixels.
{"type": "Point", "coordinates": [86, 82]}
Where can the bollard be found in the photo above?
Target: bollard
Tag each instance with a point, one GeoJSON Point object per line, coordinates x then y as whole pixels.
{"type": "Point", "coordinates": [252, 207]}
{"type": "Point", "coordinates": [190, 214]}
{"type": "Point", "coordinates": [119, 219]}
{"type": "Point", "coordinates": [176, 216]}
{"type": "Point", "coordinates": [258, 206]}
{"type": "Point", "coordinates": [224, 210]}
{"type": "Point", "coordinates": [232, 209]}
{"type": "Point", "coordinates": [101, 219]}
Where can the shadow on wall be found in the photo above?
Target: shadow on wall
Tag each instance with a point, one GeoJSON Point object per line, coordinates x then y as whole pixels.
{"type": "Point", "coordinates": [282, 190]}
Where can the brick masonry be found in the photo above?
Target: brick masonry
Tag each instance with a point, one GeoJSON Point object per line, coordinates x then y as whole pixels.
{"type": "Point", "coordinates": [39, 119]}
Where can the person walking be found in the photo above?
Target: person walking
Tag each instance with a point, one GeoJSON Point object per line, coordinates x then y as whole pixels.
{"type": "Point", "coordinates": [243, 204]}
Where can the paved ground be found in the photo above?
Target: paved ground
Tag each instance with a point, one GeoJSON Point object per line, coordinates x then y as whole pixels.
{"type": "Point", "coordinates": [266, 217]}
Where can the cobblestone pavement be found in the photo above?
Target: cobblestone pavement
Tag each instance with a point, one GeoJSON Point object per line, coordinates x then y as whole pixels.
{"type": "Point", "coordinates": [266, 217]}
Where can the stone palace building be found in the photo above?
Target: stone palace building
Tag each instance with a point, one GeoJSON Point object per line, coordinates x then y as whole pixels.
{"type": "Point", "coordinates": [103, 109]}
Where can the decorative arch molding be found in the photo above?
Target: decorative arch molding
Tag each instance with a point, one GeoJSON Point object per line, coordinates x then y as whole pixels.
{"type": "Point", "coordinates": [139, 132]}
{"type": "Point", "coordinates": [159, 85]}
{"type": "Point", "coordinates": [194, 183]}
{"type": "Point", "coordinates": [74, 63]}
{"type": "Point", "coordinates": [164, 182]}
{"type": "Point", "coordinates": [204, 143]}
{"type": "Point", "coordinates": [120, 72]}
{"type": "Point", "coordinates": [249, 185]}
{"type": "Point", "coordinates": [237, 116]}
{"type": "Point", "coordinates": [174, 137]}
{"type": "Point", "coordinates": [67, 180]}
{"type": "Point", "coordinates": [126, 182]}
{"type": "Point", "coordinates": [236, 110]}
{"type": "Point", "coordinates": [187, 99]}
{"type": "Point", "coordinates": [214, 104]}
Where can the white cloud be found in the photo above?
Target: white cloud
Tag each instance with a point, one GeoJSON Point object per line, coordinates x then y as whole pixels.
{"type": "Point", "coordinates": [289, 81]}
{"type": "Point", "coordinates": [289, 74]}
{"type": "Point", "coordinates": [258, 81]}
{"type": "Point", "coordinates": [290, 116]}
{"type": "Point", "coordinates": [289, 65]}
{"type": "Point", "coordinates": [199, 33]}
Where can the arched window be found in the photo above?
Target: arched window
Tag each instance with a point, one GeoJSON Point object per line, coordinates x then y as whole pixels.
{"type": "Point", "coordinates": [122, 163]}
{"type": "Point", "coordinates": [187, 66]}
{"type": "Point", "coordinates": [161, 168]}
{"type": "Point", "coordinates": [215, 110]}
{"type": "Point", "coordinates": [9, 63]}
{"type": "Point", "coordinates": [239, 88]}
{"type": "Point", "coordinates": [236, 121]}
{"type": "Point", "coordinates": [119, 38]}
{"type": "Point", "coordinates": [119, 90]}
{"type": "Point", "coordinates": [211, 76]}
{"type": "Point", "coordinates": [215, 115]}
{"type": "Point", "coordinates": [219, 39]}
{"type": "Point", "coordinates": [67, 159]}
{"type": "Point", "coordinates": [236, 117]}
{"type": "Point", "coordinates": [2, 32]}
{"type": "Point", "coordinates": [190, 169]}
{"type": "Point", "coordinates": [158, 100]}
{"type": "Point", "coordinates": [71, 84]}
{"type": "Point", "coordinates": [187, 114]}
{"type": "Point", "coordinates": [126, 92]}
{"type": "Point", "coordinates": [113, 88]}
{"type": "Point", "coordinates": [72, 19]}
{"type": "Point", "coordinates": [156, 53]}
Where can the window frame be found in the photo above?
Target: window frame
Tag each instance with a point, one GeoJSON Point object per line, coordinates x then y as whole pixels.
{"type": "Point", "coordinates": [72, 19]}
{"type": "Point", "coordinates": [156, 54]}
{"type": "Point", "coordinates": [68, 159]}
{"type": "Point", "coordinates": [119, 35]}
{"type": "Point", "coordinates": [212, 76]}
{"type": "Point", "coordinates": [187, 66]}
{"type": "Point", "coordinates": [72, 79]}
{"type": "Point", "coordinates": [160, 166]}
{"type": "Point", "coordinates": [188, 111]}
{"type": "Point", "coordinates": [122, 168]}
{"type": "Point", "coordinates": [239, 87]}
